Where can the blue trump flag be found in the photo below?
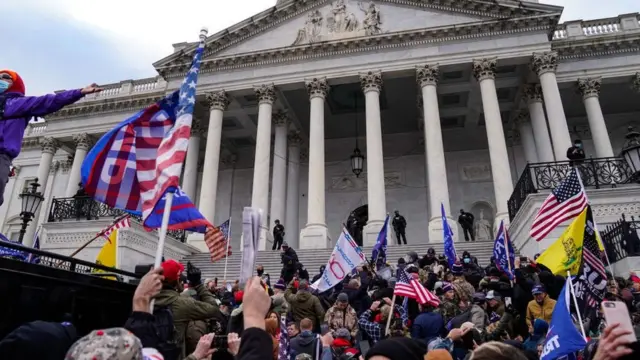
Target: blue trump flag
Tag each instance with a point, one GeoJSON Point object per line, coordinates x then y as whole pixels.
{"type": "Point", "coordinates": [503, 252]}
{"type": "Point", "coordinates": [449, 248]}
{"type": "Point", "coordinates": [563, 338]}
{"type": "Point", "coordinates": [379, 251]}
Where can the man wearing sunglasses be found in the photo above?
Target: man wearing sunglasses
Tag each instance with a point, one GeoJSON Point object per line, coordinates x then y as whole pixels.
{"type": "Point", "coordinates": [16, 110]}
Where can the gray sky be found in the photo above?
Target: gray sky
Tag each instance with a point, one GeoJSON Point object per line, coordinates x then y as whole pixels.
{"type": "Point", "coordinates": [58, 44]}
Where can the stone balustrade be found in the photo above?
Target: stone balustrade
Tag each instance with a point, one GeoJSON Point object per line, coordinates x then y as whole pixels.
{"type": "Point", "coordinates": [129, 87]}
{"type": "Point", "coordinates": [598, 27]}
{"type": "Point", "coordinates": [36, 129]}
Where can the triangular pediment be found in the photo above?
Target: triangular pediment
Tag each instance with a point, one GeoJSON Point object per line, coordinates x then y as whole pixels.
{"type": "Point", "coordinates": [299, 23]}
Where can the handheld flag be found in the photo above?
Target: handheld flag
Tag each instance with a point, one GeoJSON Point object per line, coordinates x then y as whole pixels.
{"type": "Point", "coordinates": [564, 254]}
{"type": "Point", "coordinates": [503, 252]}
{"type": "Point", "coordinates": [379, 252]}
{"type": "Point", "coordinates": [563, 338]}
{"type": "Point", "coordinates": [217, 240]}
{"type": "Point", "coordinates": [121, 223]}
{"type": "Point", "coordinates": [591, 284]}
{"type": "Point", "coordinates": [35, 259]}
{"type": "Point", "coordinates": [411, 288]}
{"type": "Point", "coordinates": [9, 252]}
{"type": "Point", "coordinates": [284, 345]}
{"type": "Point", "coordinates": [564, 203]}
{"type": "Point", "coordinates": [107, 256]}
{"type": "Point", "coordinates": [345, 257]}
{"type": "Point", "coordinates": [449, 248]}
{"type": "Point", "coordinates": [133, 166]}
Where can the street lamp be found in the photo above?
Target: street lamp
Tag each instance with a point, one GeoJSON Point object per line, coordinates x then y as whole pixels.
{"type": "Point", "coordinates": [631, 152]}
{"type": "Point", "coordinates": [357, 159]}
{"type": "Point", "coordinates": [31, 199]}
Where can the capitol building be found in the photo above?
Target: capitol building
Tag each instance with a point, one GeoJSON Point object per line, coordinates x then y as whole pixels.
{"type": "Point", "coordinates": [314, 110]}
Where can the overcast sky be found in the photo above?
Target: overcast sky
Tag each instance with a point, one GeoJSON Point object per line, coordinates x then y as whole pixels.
{"type": "Point", "coordinates": [58, 44]}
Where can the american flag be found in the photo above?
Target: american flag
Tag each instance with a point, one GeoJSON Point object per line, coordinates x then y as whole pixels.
{"type": "Point", "coordinates": [122, 223]}
{"type": "Point", "coordinates": [217, 240]}
{"type": "Point", "coordinates": [284, 346]}
{"type": "Point", "coordinates": [133, 166]}
{"type": "Point", "coordinates": [564, 203]}
{"type": "Point", "coordinates": [591, 283]}
{"type": "Point", "coordinates": [410, 287]}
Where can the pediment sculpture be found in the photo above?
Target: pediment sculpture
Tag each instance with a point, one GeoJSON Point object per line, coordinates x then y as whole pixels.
{"type": "Point", "coordinates": [340, 23]}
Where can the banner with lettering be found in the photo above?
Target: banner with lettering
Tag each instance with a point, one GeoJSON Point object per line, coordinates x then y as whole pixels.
{"type": "Point", "coordinates": [345, 257]}
{"type": "Point", "coordinates": [563, 338]}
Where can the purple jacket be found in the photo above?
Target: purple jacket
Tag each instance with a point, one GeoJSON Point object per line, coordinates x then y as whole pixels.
{"type": "Point", "coordinates": [19, 109]}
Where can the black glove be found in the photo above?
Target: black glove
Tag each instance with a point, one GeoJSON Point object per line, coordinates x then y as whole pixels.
{"type": "Point", "coordinates": [194, 275]}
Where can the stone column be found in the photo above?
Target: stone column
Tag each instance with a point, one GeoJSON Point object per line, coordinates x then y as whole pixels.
{"type": "Point", "coordinates": [315, 234]}
{"type": "Point", "coordinates": [371, 83]}
{"type": "Point", "coordinates": [260, 194]}
{"type": "Point", "coordinates": [590, 90]}
{"type": "Point", "coordinates": [49, 148]}
{"type": "Point", "coordinates": [545, 65]}
{"type": "Point", "coordinates": [427, 76]}
{"type": "Point", "coordinates": [279, 176]}
{"type": "Point", "coordinates": [83, 144]}
{"type": "Point", "coordinates": [292, 222]}
{"type": "Point", "coordinates": [484, 71]}
{"type": "Point", "coordinates": [190, 175]}
{"type": "Point", "coordinates": [533, 94]}
{"type": "Point", "coordinates": [526, 136]}
{"type": "Point", "coordinates": [635, 82]}
{"type": "Point", "coordinates": [218, 102]}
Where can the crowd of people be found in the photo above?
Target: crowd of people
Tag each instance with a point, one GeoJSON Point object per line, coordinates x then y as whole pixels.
{"type": "Point", "coordinates": [480, 314]}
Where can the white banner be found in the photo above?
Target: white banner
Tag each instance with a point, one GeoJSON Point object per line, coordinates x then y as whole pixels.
{"type": "Point", "coordinates": [345, 257]}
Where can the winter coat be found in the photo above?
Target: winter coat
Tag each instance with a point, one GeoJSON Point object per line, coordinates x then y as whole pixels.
{"type": "Point", "coordinates": [19, 109]}
{"type": "Point", "coordinates": [479, 317]}
{"type": "Point", "coordinates": [306, 343]}
{"type": "Point", "coordinates": [347, 318]}
{"type": "Point", "coordinates": [540, 311]}
{"type": "Point", "coordinates": [427, 326]}
{"type": "Point", "coordinates": [463, 289]}
{"type": "Point", "coordinates": [196, 329]}
{"type": "Point", "coordinates": [540, 328]}
{"type": "Point", "coordinates": [186, 309]}
{"type": "Point", "coordinates": [304, 305]}
{"type": "Point", "coordinates": [358, 298]}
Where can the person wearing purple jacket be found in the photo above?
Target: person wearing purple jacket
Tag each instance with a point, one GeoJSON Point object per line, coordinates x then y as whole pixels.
{"type": "Point", "coordinates": [15, 111]}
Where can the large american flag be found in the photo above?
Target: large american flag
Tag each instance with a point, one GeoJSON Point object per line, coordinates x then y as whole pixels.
{"type": "Point", "coordinates": [120, 223]}
{"type": "Point", "coordinates": [217, 240]}
{"type": "Point", "coordinates": [284, 346]}
{"type": "Point", "coordinates": [591, 282]}
{"type": "Point", "coordinates": [564, 203]}
{"type": "Point", "coordinates": [411, 288]}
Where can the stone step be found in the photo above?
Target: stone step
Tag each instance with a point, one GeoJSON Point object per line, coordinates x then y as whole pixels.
{"type": "Point", "coordinates": [314, 258]}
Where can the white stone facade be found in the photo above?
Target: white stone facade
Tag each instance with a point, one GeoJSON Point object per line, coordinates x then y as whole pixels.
{"type": "Point", "coordinates": [449, 103]}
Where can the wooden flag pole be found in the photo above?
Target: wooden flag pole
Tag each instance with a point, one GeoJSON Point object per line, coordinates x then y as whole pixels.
{"type": "Point", "coordinates": [575, 303]}
{"type": "Point", "coordinates": [95, 237]}
{"type": "Point", "coordinates": [393, 304]}
{"type": "Point", "coordinates": [226, 258]}
{"type": "Point", "coordinates": [162, 234]}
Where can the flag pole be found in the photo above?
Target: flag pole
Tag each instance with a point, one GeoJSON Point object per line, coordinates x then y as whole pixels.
{"type": "Point", "coordinates": [162, 234]}
{"type": "Point", "coordinates": [393, 304]}
{"type": "Point", "coordinates": [506, 250]}
{"type": "Point", "coordinates": [97, 236]}
{"type": "Point", "coordinates": [575, 303]}
{"type": "Point", "coordinates": [226, 258]}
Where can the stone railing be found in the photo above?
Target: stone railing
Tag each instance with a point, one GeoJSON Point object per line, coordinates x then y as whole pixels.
{"type": "Point", "coordinates": [128, 87]}
{"type": "Point", "coordinates": [36, 128]}
{"type": "Point", "coordinates": [597, 27]}
{"type": "Point", "coordinates": [595, 173]}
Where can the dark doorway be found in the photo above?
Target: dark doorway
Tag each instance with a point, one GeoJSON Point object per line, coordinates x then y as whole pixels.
{"type": "Point", "coordinates": [356, 221]}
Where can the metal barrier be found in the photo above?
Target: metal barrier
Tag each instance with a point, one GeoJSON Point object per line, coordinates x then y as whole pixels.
{"type": "Point", "coordinates": [621, 239]}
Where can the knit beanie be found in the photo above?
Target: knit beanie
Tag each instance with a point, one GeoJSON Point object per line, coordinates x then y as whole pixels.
{"type": "Point", "coordinates": [115, 344]}
{"type": "Point", "coordinates": [398, 348]}
{"type": "Point", "coordinates": [457, 269]}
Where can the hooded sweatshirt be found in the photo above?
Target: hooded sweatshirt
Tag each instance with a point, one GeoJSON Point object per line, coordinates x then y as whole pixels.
{"type": "Point", "coordinates": [18, 109]}
{"type": "Point", "coordinates": [540, 328]}
{"type": "Point", "coordinates": [306, 343]}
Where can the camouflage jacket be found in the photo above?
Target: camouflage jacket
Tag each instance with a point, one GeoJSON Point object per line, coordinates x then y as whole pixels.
{"type": "Point", "coordinates": [463, 289]}
{"type": "Point", "coordinates": [449, 309]}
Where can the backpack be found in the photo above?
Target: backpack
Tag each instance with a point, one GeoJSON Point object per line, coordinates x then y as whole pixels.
{"type": "Point", "coordinates": [165, 330]}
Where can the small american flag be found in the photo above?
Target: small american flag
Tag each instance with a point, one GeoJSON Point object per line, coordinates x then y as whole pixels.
{"type": "Point", "coordinates": [122, 223]}
{"type": "Point", "coordinates": [284, 346]}
{"type": "Point", "coordinates": [217, 240]}
{"type": "Point", "coordinates": [564, 203]}
{"type": "Point", "coordinates": [412, 288]}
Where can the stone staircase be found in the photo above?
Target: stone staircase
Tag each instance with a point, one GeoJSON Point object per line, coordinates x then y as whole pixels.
{"type": "Point", "coordinates": [314, 258]}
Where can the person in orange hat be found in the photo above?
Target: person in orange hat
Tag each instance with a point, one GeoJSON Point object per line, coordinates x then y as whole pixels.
{"type": "Point", "coordinates": [185, 309]}
{"type": "Point", "coordinates": [16, 110]}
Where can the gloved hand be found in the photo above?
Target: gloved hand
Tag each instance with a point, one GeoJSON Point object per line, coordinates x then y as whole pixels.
{"type": "Point", "coordinates": [194, 275]}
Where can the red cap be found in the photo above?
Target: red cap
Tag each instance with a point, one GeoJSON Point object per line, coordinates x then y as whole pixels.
{"type": "Point", "coordinates": [635, 278]}
{"type": "Point", "coordinates": [172, 270]}
{"type": "Point", "coordinates": [238, 296]}
{"type": "Point", "coordinates": [18, 84]}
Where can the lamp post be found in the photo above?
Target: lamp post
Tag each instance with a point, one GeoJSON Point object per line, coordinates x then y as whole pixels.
{"type": "Point", "coordinates": [357, 159]}
{"type": "Point", "coordinates": [31, 199]}
{"type": "Point", "coordinates": [631, 152]}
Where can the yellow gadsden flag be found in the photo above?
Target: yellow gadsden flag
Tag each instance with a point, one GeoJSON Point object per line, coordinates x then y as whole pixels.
{"type": "Point", "coordinates": [107, 256]}
{"type": "Point", "coordinates": [565, 254]}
